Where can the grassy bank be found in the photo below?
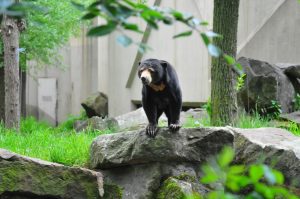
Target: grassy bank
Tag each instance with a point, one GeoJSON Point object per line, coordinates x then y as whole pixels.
{"type": "Point", "coordinates": [39, 140]}
{"type": "Point", "coordinates": [63, 145]}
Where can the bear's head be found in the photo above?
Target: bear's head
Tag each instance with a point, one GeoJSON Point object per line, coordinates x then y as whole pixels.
{"type": "Point", "coordinates": [151, 71]}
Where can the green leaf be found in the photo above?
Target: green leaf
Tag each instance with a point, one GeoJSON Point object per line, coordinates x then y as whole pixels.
{"type": "Point", "coordinates": [210, 175]}
{"type": "Point", "coordinates": [177, 15]}
{"type": "Point", "coordinates": [256, 172]}
{"type": "Point", "coordinates": [102, 30]}
{"type": "Point", "coordinates": [152, 24]}
{"type": "Point", "coordinates": [214, 50]}
{"type": "Point", "coordinates": [167, 20]}
{"type": "Point", "coordinates": [230, 60]}
{"type": "Point", "coordinates": [89, 15]}
{"type": "Point", "coordinates": [155, 14]}
{"type": "Point", "coordinates": [278, 176]}
{"type": "Point", "coordinates": [132, 27]}
{"type": "Point", "coordinates": [78, 6]}
{"type": "Point", "coordinates": [124, 40]}
{"type": "Point", "coordinates": [212, 34]}
{"type": "Point", "coordinates": [264, 190]}
{"type": "Point", "coordinates": [94, 5]}
{"type": "Point", "coordinates": [205, 39]}
{"type": "Point", "coordinates": [183, 34]}
{"type": "Point", "coordinates": [204, 23]}
{"type": "Point", "coordinates": [239, 66]}
{"type": "Point", "coordinates": [236, 169]}
{"type": "Point", "coordinates": [226, 156]}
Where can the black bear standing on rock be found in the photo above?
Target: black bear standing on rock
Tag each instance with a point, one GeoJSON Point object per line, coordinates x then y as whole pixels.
{"type": "Point", "coordinates": [161, 93]}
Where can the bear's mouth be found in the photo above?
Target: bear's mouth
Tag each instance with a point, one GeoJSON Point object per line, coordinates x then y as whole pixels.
{"type": "Point", "coordinates": [146, 77]}
{"type": "Point", "coordinates": [145, 81]}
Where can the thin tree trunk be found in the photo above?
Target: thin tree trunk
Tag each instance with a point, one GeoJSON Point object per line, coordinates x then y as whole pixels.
{"type": "Point", "coordinates": [2, 95]}
{"type": "Point", "coordinates": [223, 95]}
{"type": "Point", "coordinates": [10, 36]}
{"type": "Point", "coordinates": [23, 79]}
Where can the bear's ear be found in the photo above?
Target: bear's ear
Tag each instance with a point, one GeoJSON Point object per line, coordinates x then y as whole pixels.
{"type": "Point", "coordinates": [139, 63]}
{"type": "Point", "coordinates": [164, 63]}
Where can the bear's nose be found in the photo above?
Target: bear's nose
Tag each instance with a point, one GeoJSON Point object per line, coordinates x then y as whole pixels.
{"type": "Point", "coordinates": [143, 79]}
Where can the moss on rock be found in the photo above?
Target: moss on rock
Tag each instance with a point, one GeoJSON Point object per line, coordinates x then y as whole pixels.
{"type": "Point", "coordinates": [171, 189]}
{"type": "Point", "coordinates": [112, 191]}
{"type": "Point", "coordinates": [19, 174]}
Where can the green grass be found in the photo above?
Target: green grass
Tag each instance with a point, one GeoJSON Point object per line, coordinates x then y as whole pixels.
{"type": "Point", "coordinates": [244, 121]}
{"type": "Point", "coordinates": [63, 145]}
{"type": "Point", "coordinates": [39, 140]}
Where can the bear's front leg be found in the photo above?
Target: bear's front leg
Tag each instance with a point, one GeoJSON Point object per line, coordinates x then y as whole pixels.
{"type": "Point", "coordinates": [151, 113]}
{"type": "Point", "coordinates": [151, 130]}
{"type": "Point", "coordinates": [174, 118]}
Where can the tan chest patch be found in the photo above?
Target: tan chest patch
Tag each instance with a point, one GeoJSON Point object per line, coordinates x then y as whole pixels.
{"type": "Point", "coordinates": [157, 88]}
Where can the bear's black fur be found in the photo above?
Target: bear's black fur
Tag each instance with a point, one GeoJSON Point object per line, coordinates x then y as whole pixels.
{"type": "Point", "coordinates": [161, 93]}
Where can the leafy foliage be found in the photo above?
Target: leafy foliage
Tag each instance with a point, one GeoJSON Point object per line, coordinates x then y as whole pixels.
{"type": "Point", "coordinates": [49, 29]}
{"type": "Point", "coordinates": [273, 111]}
{"type": "Point", "coordinates": [297, 102]}
{"type": "Point", "coordinates": [207, 107]}
{"type": "Point", "coordinates": [240, 81]}
{"type": "Point", "coordinates": [239, 181]}
{"type": "Point", "coordinates": [16, 9]}
{"type": "Point", "coordinates": [117, 15]}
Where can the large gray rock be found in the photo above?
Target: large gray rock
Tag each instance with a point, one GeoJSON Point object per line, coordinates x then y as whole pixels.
{"type": "Point", "coordinates": [139, 164]}
{"type": "Point", "coordinates": [293, 117]}
{"type": "Point", "coordinates": [137, 119]}
{"type": "Point", "coordinates": [265, 82]}
{"type": "Point", "coordinates": [178, 188]}
{"type": "Point", "coordinates": [96, 105]}
{"type": "Point", "coordinates": [187, 145]}
{"type": "Point", "coordinates": [26, 178]}
{"type": "Point", "coordinates": [96, 123]}
{"type": "Point", "coordinates": [291, 70]}
{"type": "Point", "coordinates": [276, 147]}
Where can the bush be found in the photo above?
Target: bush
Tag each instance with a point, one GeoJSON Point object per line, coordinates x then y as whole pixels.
{"type": "Point", "coordinates": [256, 181]}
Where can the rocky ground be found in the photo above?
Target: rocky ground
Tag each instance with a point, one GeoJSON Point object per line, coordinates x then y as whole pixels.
{"type": "Point", "coordinates": [131, 165]}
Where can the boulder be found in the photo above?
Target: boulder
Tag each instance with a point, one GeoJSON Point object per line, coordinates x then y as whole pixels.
{"type": "Point", "coordinates": [96, 105]}
{"type": "Point", "coordinates": [265, 83]}
{"type": "Point", "coordinates": [291, 70]}
{"type": "Point", "coordinates": [178, 187]}
{"type": "Point", "coordinates": [137, 119]}
{"type": "Point", "coordinates": [141, 167]}
{"type": "Point", "coordinates": [193, 113]}
{"type": "Point", "coordinates": [292, 117]}
{"type": "Point", "coordinates": [96, 123]}
{"type": "Point", "coordinates": [187, 145]}
{"type": "Point", "coordinates": [276, 147]}
{"type": "Point", "coordinates": [26, 178]}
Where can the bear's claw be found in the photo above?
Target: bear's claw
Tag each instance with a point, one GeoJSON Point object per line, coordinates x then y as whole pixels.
{"type": "Point", "coordinates": [174, 127]}
{"type": "Point", "coordinates": [151, 130]}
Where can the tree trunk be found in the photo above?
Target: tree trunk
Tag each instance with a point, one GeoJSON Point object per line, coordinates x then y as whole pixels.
{"type": "Point", "coordinates": [10, 36]}
{"type": "Point", "coordinates": [2, 95]}
{"type": "Point", "coordinates": [23, 80]}
{"type": "Point", "coordinates": [223, 94]}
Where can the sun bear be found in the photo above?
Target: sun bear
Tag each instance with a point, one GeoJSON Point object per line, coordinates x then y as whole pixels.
{"type": "Point", "coordinates": [161, 93]}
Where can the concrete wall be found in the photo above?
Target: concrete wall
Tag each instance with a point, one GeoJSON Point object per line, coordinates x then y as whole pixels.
{"type": "Point", "coordinates": [77, 77]}
{"type": "Point", "coordinates": [273, 38]}
{"type": "Point", "coordinates": [268, 30]}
